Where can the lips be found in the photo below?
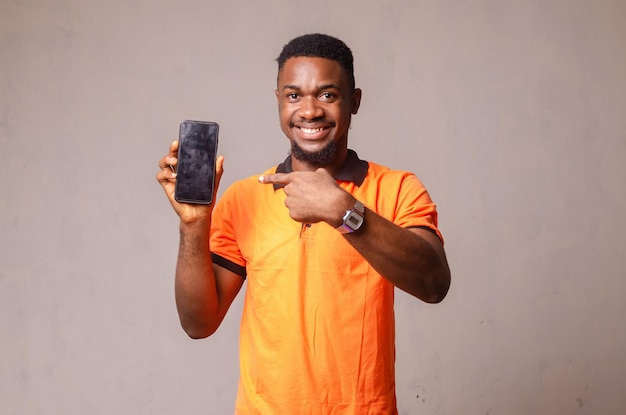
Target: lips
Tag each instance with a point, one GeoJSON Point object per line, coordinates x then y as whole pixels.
{"type": "Point", "coordinates": [308, 132]}
{"type": "Point", "coordinates": [311, 130]}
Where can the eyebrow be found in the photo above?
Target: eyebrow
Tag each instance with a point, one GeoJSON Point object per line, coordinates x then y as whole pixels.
{"type": "Point", "coordinates": [319, 87]}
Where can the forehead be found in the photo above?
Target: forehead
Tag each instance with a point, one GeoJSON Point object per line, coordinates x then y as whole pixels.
{"type": "Point", "coordinates": [304, 71]}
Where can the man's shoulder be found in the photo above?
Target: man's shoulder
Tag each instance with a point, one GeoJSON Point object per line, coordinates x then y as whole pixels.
{"type": "Point", "coordinates": [379, 170]}
{"type": "Point", "coordinates": [391, 180]}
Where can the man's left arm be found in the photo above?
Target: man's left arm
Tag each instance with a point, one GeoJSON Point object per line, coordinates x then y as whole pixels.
{"type": "Point", "coordinates": [413, 259]}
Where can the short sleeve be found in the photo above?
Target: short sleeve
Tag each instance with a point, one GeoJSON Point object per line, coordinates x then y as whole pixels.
{"type": "Point", "coordinates": [223, 244]}
{"type": "Point", "coordinates": [414, 207]}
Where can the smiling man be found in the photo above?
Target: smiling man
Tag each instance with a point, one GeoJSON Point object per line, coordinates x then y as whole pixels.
{"type": "Point", "coordinates": [322, 239]}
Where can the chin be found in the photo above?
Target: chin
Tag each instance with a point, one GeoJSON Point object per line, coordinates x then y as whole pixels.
{"type": "Point", "coordinates": [321, 157]}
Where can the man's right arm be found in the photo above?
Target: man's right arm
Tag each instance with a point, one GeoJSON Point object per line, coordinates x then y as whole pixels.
{"type": "Point", "coordinates": [204, 291]}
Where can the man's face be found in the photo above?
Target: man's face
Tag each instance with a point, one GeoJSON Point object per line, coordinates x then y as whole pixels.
{"type": "Point", "coordinates": [315, 103]}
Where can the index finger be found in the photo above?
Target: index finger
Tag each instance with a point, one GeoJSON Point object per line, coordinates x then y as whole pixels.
{"type": "Point", "coordinates": [174, 148]}
{"type": "Point", "coordinates": [171, 158]}
{"type": "Point", "coordinates": [277, 178]}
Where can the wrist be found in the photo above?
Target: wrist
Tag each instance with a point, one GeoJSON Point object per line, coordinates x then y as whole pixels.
{"type": "Point", "coordinates": [193, 225]}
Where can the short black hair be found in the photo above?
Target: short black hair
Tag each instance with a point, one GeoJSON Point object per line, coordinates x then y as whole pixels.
{"type": "Point", "coordinates": [319, 45]}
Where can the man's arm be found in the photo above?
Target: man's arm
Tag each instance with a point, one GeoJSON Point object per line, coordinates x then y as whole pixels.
{"type": "Point", "coordinates": [412, 259]}
{"type": "Point", "coordinates": [204, 291]}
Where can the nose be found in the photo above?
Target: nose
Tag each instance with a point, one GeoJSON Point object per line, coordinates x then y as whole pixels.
{"type": "Point", "coordinates": [310, 108]}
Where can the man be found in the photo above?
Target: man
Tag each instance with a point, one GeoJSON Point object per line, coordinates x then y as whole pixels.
{"type": "Point", "coordinates": [321, 239]}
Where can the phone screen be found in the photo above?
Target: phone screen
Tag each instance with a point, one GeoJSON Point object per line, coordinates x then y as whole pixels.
{"type": "Point", "coordinates": [195, 172]}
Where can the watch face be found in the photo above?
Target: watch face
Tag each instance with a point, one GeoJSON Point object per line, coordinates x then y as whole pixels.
{"type": "Point", "coordinates": [354, 220]}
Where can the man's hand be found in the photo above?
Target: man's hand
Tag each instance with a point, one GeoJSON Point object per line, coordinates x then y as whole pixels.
{"type": "Point", "coordinates": [312, 196]}
{"type": "Point", "coordinates": [166, 176]}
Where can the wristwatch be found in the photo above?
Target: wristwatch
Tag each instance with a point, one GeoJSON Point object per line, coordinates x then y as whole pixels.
{"type": "Point", "coordinates": [353, 219]}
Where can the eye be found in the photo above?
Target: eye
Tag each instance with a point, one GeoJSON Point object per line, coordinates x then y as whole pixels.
{"type": "Point", "coordinates": [291, 96]}
{"type": "Point", "coordinates": [327, 96]}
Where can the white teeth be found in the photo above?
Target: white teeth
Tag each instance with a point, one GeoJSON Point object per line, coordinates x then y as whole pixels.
{"type": "Point", "coordinates": [311, 130]}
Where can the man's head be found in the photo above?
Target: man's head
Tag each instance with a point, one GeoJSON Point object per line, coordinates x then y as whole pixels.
{"type": "Point", "coordinates": [317, 45]}
{"type": "Point", "coordinates": [316, 99]}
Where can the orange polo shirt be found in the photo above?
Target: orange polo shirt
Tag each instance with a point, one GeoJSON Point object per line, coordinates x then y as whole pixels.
{"type": "Point", "coordinates": [317, 331]}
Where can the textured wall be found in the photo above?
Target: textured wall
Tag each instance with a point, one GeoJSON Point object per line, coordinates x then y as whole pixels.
{"type": "Point", "coordinates": [512, 113]}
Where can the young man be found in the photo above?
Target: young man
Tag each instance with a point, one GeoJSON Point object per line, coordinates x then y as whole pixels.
{"type": "Point", "coordinates": [322, 240]}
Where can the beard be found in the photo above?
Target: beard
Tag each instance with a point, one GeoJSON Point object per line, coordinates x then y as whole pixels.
{"type": "Point", "coordinates": [319, 158]}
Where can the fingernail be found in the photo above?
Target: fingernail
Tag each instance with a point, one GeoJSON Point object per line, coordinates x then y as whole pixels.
{"type": "Point", "coordinates": [261, 179]}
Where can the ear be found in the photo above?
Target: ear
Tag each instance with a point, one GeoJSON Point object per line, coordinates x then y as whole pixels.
{"type": "Point", "coordinates": [356, 100]}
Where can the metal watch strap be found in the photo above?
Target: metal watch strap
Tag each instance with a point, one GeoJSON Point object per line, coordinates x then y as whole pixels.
{"type": "Point", "coordinates": [353, 219]}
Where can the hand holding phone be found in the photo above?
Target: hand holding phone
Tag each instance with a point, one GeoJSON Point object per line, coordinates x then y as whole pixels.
{"type": "Point", "coordinates": [197, 152]}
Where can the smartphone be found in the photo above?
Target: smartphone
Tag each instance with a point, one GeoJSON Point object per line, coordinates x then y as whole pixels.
{"type": "Point", "coordinates": [195, 172]}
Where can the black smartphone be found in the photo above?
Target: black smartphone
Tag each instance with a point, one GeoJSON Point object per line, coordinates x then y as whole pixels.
{"type": "Point", "coordinates": [195, 172]}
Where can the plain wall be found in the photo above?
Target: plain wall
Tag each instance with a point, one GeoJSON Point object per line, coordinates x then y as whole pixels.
{"type": "Point", "coordinates": [513, 113]}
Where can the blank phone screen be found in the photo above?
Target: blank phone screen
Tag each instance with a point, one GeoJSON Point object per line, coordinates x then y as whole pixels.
{"type": "Point", "coordinates": [197, 149]}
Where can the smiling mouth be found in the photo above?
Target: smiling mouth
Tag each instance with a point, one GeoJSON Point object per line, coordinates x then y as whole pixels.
{"type": "Point", "coordinates": [311, 130]}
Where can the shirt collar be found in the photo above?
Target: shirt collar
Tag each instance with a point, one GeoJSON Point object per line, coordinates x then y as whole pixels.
{"type": "Point", "coordinates": [353, 170]}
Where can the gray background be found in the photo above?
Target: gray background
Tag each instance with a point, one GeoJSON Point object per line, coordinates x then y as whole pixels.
{"type": "Point", "coordinates": [513, 113]}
